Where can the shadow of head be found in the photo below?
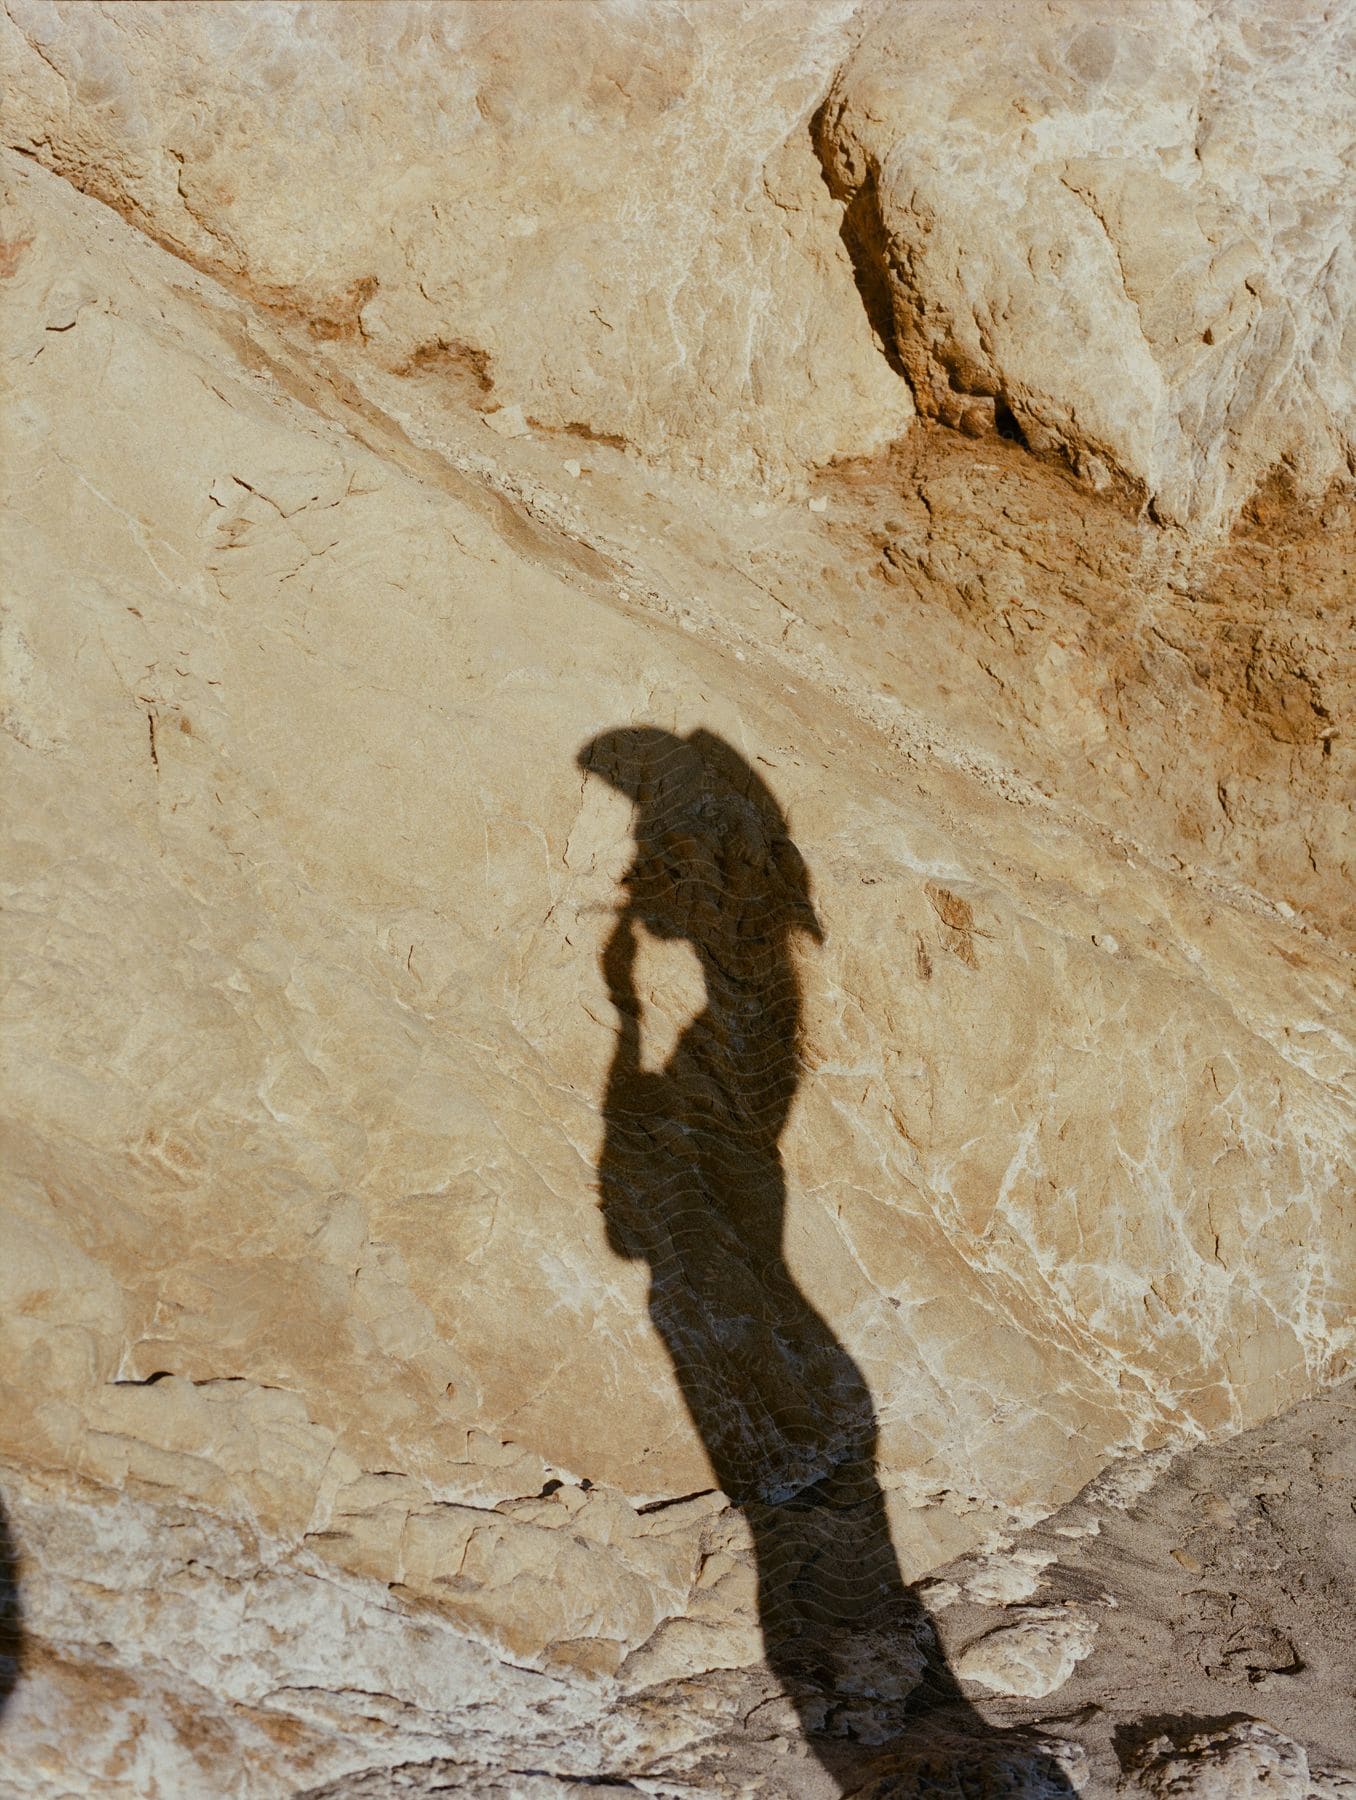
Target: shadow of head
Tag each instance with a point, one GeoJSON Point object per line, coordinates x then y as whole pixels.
{"type": "Point", "coordinates": [714, 861]}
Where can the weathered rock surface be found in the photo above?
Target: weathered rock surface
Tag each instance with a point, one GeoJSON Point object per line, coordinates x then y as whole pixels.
{"type": "Point", "coordinates": [1124, 233]}
{"type": "Point", "coordinates": [180, 1650]}
{"type": "Point", "coordinates": [340, 1436]}
{"type": "Point", "coordinates": [1215, 1588]}
{"type": "Point", "coordinates": [609, 216]}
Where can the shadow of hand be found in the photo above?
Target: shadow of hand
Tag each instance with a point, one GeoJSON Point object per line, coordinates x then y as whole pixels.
{"type": "Point", "coordinates": [619, 967]}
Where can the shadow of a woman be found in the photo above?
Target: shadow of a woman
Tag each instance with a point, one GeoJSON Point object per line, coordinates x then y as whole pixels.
{"type": "Point", "coordinates": [11, 1615]}
{"type": "Point", "coordinates": [692, 1184]}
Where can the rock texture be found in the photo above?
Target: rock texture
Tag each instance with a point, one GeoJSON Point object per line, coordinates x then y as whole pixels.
{"type": "Point", "coordinates": [608, 216]}
{"type": "Point", "coordinates": [1212, 1593]}
{"type": "Point", "coordinates": [1123, 234]}
{"type": "Point", "coordinates": [1208, 1595]}
{"type": "Point", "coordinates": [998, 932]}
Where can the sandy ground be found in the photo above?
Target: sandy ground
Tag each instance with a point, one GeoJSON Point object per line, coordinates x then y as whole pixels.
{"type": "Point", "coordinates": [1226, 1590]}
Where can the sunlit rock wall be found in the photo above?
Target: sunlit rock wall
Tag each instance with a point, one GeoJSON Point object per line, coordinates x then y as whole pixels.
{"type": "Point", "coordinates": [610, 216]}
{"type": "Point", "coordinates": [306, 1280]}
{"type": "Point", "coordinates": [1123, 233]}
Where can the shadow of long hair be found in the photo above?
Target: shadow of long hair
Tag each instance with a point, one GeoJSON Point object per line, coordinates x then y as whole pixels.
{"type": "Point", "coordinates": [691, 1182]}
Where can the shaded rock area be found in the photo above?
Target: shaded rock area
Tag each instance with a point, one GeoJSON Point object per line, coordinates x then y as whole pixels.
{"type": "Point", "coordinates": [1211, 1594]}
{"type": "Point", "coordinates": [677, 909]}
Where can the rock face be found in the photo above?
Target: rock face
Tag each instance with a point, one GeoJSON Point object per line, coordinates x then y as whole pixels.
{"type": "Point", "coordinates": [611, 216]}
{"type": "Point", "coordinates": [609, 1065]}
{"type": "Point", "coordinates": [1123, 234]}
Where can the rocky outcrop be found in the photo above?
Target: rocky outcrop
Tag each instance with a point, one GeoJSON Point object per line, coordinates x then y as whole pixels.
{"type": "Point", "coordinates": [1121, 235]}
{"type": "Point", "coordinates": [1210, 1596]}
{"type": "Point", "coordinates": [610, 217]}
{"type": "Point", "coordinates": [1123, 238]}
{"type": "Point", "coordinates": [424, 832]}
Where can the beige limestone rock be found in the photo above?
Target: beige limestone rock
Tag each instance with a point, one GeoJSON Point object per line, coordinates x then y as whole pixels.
{"type": "Point", "coordinates": [1121, 232]}
{"type": "Point", "coordinates": [1122, 236]}
{"type": "Point", "coordinates": [609, 215]}
{"type": "Point", "coordinates": [336, 1431]}
{"type": "Point", "coordinates": [1232, 1762]}
{"type": "Point", "coordinates": [259, 1664]}
{"type": "Point", "coordinates": [1033, 1655]}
